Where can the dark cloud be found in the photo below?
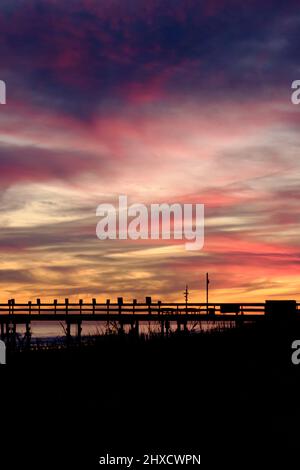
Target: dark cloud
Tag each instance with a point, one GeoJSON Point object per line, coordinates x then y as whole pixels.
{"type": "Point", "coordinates": [33, 164]}
{"type": "Point", "coordinates": [16, 276]}
{"type": "Point", "coordinates": [81, 56]}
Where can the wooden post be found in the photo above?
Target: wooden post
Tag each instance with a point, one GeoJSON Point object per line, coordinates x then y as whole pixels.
{"type": "Point", "coordinates": [120, 303]}
{"type": "Point", "coordinates": [38, 302]}
{"type": "Point", "coordinates": [158, 306]}
{"type": "Point", "coordinates": [67, 306]}
{"type": "Point", "coordinates": [149, 302]}
{"type": "Point", "coordinates": [134, 302]}
{"type": "Point", "coordinates": [94, 305]}
{"type": "Point", "coordinates": [55, 306]}
{"type": "Point", "coordinates": [29, 307]}
{"type": "Point", "coordinates": [12, 304]}
{"type": "Point", "coordinates": [80, 306]}
{"type": "Point", "coordinates": [107, 312]}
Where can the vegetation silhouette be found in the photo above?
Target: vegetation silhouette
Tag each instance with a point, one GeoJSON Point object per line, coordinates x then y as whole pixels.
{"type": "Point", "coordinates": [230, 395]}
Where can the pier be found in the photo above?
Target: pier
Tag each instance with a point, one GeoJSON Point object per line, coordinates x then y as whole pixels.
{"type": "Point", "coordinates": [72, 314]}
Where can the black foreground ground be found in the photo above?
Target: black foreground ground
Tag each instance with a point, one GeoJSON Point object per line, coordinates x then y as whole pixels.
{"type": "Point", "coordinates": [231, 396]}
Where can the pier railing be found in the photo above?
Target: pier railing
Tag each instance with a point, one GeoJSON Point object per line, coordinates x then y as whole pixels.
{"type": "Point", "coordinates": [38, 308]}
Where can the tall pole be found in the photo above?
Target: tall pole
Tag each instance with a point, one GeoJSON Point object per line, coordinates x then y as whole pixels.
{"type": "Point", "coordinates": [186, 296]}
{"type": "Point", "coordinates": [207, 282]}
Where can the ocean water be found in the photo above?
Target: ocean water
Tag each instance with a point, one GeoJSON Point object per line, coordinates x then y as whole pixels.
{"type": "Point", "coordinates": [55, 331]}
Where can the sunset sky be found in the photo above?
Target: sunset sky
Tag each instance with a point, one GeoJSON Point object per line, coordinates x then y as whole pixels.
{"type": "Point", "coordinates": [164, 101]}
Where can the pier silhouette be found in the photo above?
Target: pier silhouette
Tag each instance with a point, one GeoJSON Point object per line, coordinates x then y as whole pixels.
{"type": "Point", "coordinates": [131, 314]}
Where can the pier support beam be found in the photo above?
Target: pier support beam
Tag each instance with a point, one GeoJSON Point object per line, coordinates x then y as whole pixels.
{"type": "Point", "coordinates": [2, 331]}
{"type": "Point", "coordinates": [11, 333]}
{"type": "Point", "coordinates": [79, 331]}
{"type": "Point", "coordinates": [239, 322]}
{"type": "Point", "coordinates": [162, 328]}
{"type": "Point", "coordinates": [121, 328]}
{"type": "Point", "coordinates": [167, 327]}
{"type": "Point", "coordinates": [68, 332]}
{"type": "Point", "coordinates": [28, 335]}
{"type": "Point", "coordinates": [134, 330]}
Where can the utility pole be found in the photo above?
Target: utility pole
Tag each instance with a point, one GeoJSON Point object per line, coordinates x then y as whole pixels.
{"type": "Point", "coordinates": [186, 296]}
{"type": "Point", "coordinates": [207, 282]}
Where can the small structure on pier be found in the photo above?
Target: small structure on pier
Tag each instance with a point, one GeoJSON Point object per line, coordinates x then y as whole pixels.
{"type": "Point", "coordinates": [281, 310]}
